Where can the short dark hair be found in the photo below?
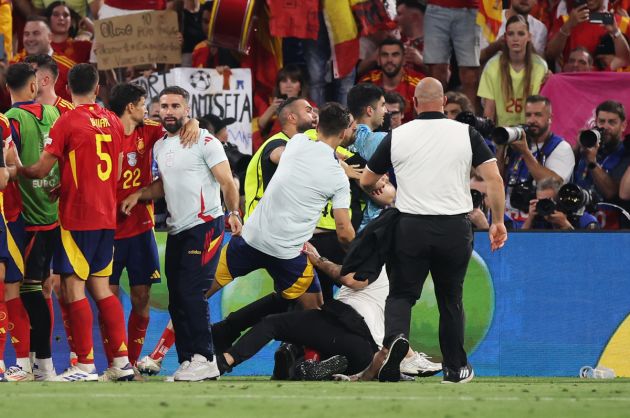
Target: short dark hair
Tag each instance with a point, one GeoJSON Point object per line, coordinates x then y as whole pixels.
{"type": "Point", "coordinates": [175, 90]}
{"type": "Point", "coordinates": [333, 119]}
{"type": "Point", "coordinates": [43, 61]}
{"type": "Point", "coordinates": [393, 97]}
{"type": "Point", "coordinates": [38, 18]}
{"type": "Point", "coordinates": [413, 4]}
{"type": "Point", "coordinates": [18, 75]}
{"type": "Point", "coordinates": [585, 50]}
{"type": "Point", "coordinates": [612, 106]}
{"type": "Point", "coordinates": [123, 94]}
{"type": "Point", "coordinates": [82, 79]}
{"type": "Point", "coordinates": [392, 41]}
{"type": "Point", "coordinates": [538, 98]}
{"type": "Point", "coordinates": [361, 96]}
{"type": "Point", "coordinates": [294, 73]}
{"type": "Point", "coordinates": [459, 99]}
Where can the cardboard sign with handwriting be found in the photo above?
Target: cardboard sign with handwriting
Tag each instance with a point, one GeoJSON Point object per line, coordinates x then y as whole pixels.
{"type": "Point", "coordinates": [137, 39]}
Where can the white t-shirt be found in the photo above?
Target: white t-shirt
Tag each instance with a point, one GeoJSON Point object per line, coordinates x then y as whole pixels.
{"type": "Point", "coordinates": [308, 176]}
{"type": "Point", "coordinates": [536, 28]}
{"type": "Point", "coordinates": [193, 195]}
{"type": "Point", "coordinates": [369, 302]}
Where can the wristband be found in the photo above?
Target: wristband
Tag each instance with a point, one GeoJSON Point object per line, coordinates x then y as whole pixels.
{"type": "Point", "coordinates": [616, 34]}
{"type": "Point", "coordinates": [235, 213]}
{"type": "Point", "coordinates": [564, 33]}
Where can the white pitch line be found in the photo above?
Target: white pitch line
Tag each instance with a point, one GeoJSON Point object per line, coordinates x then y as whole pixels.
{"type": "Point", "coordinates": [359, 397]}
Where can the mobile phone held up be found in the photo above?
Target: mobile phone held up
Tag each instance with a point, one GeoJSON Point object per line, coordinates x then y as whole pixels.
{"type": "Point", "coordinates": [601, 18]}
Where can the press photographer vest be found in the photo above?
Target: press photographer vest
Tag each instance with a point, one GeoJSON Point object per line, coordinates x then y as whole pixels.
{"type": "Point", "coordinates": [518, 171]}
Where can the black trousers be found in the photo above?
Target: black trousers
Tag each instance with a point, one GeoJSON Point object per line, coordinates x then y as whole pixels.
{"type": "Point", "coordinates": [441, 245]}
{"type": "Point", "coordinates": [328, 246]}
{"type": "Point", "coordinates": [313, 328]}
{"type": "Point", "coordinates": [190, 265]}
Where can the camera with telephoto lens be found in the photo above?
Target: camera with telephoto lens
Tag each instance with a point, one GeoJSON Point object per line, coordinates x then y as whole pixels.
{"type": "Point", "coordinates": [573, 199]}
{"type": "Point", "coordinates": [477, 198]}
{"type": "Point", "coordinates": [545, 207]}
{"type": "Point", "coordinates": [483, 125]}
{"type": "Point", "coordinates": [521, 194]}
{"type": "Point", "coordinates": [507, 135]}
{"type": "Point", "coordinates": [589, 138]}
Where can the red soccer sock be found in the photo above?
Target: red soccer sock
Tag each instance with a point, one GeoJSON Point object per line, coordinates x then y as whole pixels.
{"type": "Point", "coordinates": [51, 309]}
{"type": "Point", "coordinates": [166, 342]}
{"type": "Point", "coordinates": [4, 322]}
{"type": "Point", "coordinates": [81, 320]}
{"type": "Point", "coordinates": [113, 317]}
{"type": "Point", "coordinates": [65, 317]}
{"type": "Point", "coordinates": [20, 326]}
{"type": "Point", "coordinates": [106, 347]}
{"type": "Point", "coordinates": [137, 330]}
{"type": "Point", "coordinates": [311, 354]}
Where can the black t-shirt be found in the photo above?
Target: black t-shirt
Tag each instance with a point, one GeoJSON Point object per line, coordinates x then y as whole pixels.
{"type": "Point", "coordinates": [268, 168]}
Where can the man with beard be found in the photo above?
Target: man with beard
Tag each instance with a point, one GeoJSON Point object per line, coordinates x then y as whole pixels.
{"type": "Point", "coordinates": [601, 167]}
{"type": "Point", "coordinates": [191, 180]}
{"type": "Point", "coordinates": [296, 116]}
{"type": "Point", "coordinates": [392, 76]}
{"type": "Point", "coordinates": [539, 155]}
{"type": "Point", "coordinates": [537, 29]}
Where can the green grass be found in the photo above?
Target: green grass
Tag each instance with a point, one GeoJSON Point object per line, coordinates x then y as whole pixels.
{"type": "Point", "coordinates": [259, 397]}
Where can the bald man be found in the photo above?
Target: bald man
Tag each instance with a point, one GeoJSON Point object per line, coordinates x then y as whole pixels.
{"type": "Point", "coordinates": [432, 157]}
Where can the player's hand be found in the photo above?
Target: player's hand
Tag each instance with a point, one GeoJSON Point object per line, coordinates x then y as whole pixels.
{"type": "Point", "coordinates": [311, 252]}
{"type": "Point", "coordinates": [190, 133]}
{"type": "Point", "coordinates": [478, 218]}
{"type": "Point", "coordinates": [130, 202]}
{"type": "Point", "coordinates": [380, 185]}
{"type": "Point", "coordinates": [53, 194]}
{"type": "Point", "coordinates": [498, 236]}
{"type": "Point", "coordinates": [352, 171]}
{"type": "Point", "coordinates": [236, 226]}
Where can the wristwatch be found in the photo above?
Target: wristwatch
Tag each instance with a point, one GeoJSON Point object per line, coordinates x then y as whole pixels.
{"type": "Point", "coordinates": [236, 213]}
{"type": "Point", "coordinates": [592, 166]}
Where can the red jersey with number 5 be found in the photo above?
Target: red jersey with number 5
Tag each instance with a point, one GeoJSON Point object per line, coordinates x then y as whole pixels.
{"type": "Point", "coordinates": [87, 142]}
{"type": "Point", "coordinates": [136, 173]}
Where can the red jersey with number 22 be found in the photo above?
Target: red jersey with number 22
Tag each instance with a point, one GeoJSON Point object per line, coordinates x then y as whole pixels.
{"type": "Point", "coordinates": [136, 174]}
{"type": "Point", "coordinates": [87, 142]}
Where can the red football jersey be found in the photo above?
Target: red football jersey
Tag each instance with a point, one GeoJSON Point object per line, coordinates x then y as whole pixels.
{"type": "Point", "coordinates": [63, 105]}
{"type": "Point", "coordinates": [88, 142]}
{"type": "Point", "coordinates": [136, 174]}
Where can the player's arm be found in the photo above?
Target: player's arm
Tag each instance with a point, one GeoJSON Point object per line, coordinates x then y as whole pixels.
{"type": "Point", "coordinates": [4, 173]}
{"type": "Point", "coordinates": [153, 191]}
{"type": "Point", "coordinates": [189, 135]}
{"type": "Point", "coordinates": [223, 175]}
{"type": "Point", "coordinates": [41, 168]}
{"type": "Point", "coordinates": [12, 160]}
{"type": "Point", "coordinates": [343, 225]}
{"type": "Point", "coordinates": [332, 270]}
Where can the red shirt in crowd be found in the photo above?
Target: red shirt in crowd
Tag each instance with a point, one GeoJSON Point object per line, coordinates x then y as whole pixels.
{"type": "Point", "coordinates": [63, 64]}
{"type": "Point", "coordinates": [136, 174]}
{"type": "Point", "coordinates": [77, 51]}
{"type": "Point", "coordinates": [87, 142]}
{"type": "Point", "coordinates": [137, 4]}
{"type": "Point", "coordinates": [406, 88]}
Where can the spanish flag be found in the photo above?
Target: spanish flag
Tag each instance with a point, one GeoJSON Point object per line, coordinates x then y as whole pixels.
{"type": "Point", "coordinates": [6, 27]}
{"type": "Point", "coordinates": [343, 34]}
{"type": "Point", "coordinates": [489, 18]}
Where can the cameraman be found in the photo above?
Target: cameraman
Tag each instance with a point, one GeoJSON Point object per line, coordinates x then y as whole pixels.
{"type": "Point", "coordinates": [601, 167]}
{"type": "Point", "coordinates": [548, 189]}
{"type": "Point", "coordinates": [539, 155]}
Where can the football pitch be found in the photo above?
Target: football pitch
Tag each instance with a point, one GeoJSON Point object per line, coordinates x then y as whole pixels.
{"type": "Point", "coordinates": [260, 397]}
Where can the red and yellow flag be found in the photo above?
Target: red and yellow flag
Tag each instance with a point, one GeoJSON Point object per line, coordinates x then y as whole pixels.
{"type": "Point", "coordinates": [489, 18]}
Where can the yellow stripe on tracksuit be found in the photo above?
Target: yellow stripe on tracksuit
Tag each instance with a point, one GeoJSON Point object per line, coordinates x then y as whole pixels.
{"type": "Point", "coordinates": [301, 284]}
{"type": "Point", "coordinates": [222, 275]}
{"type": "Point", "coordinates": [14, 251]}
{"type": "Point", "coordinates": [77, 260]}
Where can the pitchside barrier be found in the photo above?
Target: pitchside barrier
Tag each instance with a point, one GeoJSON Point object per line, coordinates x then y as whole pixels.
{"type": "Point", "coordinates": [544, 305]}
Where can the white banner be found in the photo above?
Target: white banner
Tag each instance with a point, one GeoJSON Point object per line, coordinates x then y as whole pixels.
{"type": "Point", "coordinates": [224, 95]}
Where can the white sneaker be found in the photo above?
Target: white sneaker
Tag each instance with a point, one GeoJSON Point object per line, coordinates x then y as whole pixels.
{"type": "Point", "coordinates": [147, 365]}
{"type": "Point", "coordinates": [419, 365]}
{"type": "Point", "coordinates": [43, 375]}
{"type": "Point", "coordinates": [76, 374]}
{"type": "Point", "coordinates": [181, 369]}
{"type": "Point", "coordinates": [199, 369]}
{"type": "Point", "coordinates": [18, 374]}
{"type": "Point", "coordinates": [118, 374]}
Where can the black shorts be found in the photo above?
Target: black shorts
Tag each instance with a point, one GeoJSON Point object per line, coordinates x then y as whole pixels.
{"type": "Point", "coordinates": [38, 252]}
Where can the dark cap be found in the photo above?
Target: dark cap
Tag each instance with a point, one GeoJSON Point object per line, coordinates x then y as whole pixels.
{"type": "Point", "coordinates": [218, 123]}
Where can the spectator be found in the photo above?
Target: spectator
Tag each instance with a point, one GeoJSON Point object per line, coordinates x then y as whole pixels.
{"type": "Point", "coordinates": [546, 198]}
{"type": "Point", "coordinates": [79, 6]}
{"type": "Point", "coordinates": [37, 40]}
{"type": "Point", "coordinates": [537, 29]}
{"type": "Point", "coordinates": [290, 82]}
{"type": "Point", "coordinates": [410, 19]}
{"type": "Point", "coordinates": [395, 105]}
{"type": "Point", "coordinates": [113, 8]}
{"type": "Point", "coordinates": [456, 103]}
{"type": "Point", "coordinates": [529, 160]}
{"type": "Point", "coordinates": [218, 126]}
{"type": "Point", "coordinates": [601, 167]}
{"type": "Point", "coordinates": [154, 109]}
{"type": "Point", "coordinates": [569, 32]}
{"type": "Point", "coordinates": [205, 55]}
{"type": "Point", "coordinates": [580, 60]}
{"type": "Point", "coordinates": [446, 23]}
{"type": "Point", "coordinates": [512, 75]}
{"type": "Point", "coordinates": [64, 26]}
{"type": "Point", "coordinates": [392, 76]}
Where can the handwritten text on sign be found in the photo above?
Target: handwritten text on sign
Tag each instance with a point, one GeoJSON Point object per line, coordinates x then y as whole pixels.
{"type": "Point", "coordinates": [137, 39]}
